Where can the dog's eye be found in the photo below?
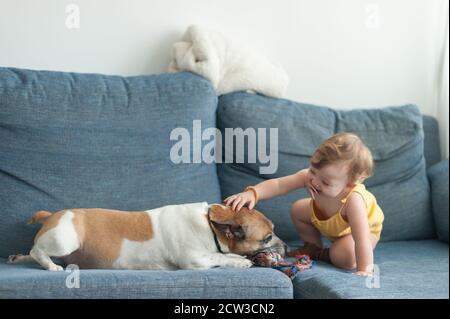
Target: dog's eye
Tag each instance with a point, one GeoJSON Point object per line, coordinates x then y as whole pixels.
{"type": "Point", "coordinates": [267, 239]}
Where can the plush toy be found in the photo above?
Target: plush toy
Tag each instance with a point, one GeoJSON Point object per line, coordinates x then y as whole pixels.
{"type": "Point", "coordinates": [274, 260]}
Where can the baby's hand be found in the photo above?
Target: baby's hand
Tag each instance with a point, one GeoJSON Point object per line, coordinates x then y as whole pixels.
{"type": "Point", "coordinates": [239, 200]}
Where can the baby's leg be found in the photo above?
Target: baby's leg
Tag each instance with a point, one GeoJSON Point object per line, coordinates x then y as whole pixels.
{"type": "Point", "coordinates": [342, 252]}
{"type": "Point", "coordinates": [301, 217]}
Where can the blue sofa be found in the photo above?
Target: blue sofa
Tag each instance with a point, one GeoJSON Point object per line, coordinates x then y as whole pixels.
{"type": "Point", "coordinates": [89, 140]}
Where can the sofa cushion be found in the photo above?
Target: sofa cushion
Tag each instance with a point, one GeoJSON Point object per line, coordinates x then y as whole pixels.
{"type": "Point", "coordinates": [89, 140]}
{"type": "Point", "coordinates": [31, 281]}
{"type": "Point", "coordinates": [407, 270]}
{"type": "Point", "coordinates": [432, 145]}
{"type": "Point", "coordinates": [394, 135]}
{"type": "Point", "coordinates": [438, 175]}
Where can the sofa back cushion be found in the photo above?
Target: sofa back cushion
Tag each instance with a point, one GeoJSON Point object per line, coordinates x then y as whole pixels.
{"type": "Point", "coordinates": [393, 134]}
{"type": "Point", "coordinates": [87, 140]}
{"type": "Point", "coordinates": [432, 145]}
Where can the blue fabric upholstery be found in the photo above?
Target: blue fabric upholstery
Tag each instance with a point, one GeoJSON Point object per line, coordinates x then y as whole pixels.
{"type": "Point", "coordinates": [88, 140]}
{"type": "Point", "coordinates": [31, 281]}
{"type": "Point", "coordinates": [407, 269]}
{"type": "Point", "coordinates": [393, 134]}
{"type": "Point", "coordinates": [432, 147]}
{"type": "Point", "coordinates": [438, 175]}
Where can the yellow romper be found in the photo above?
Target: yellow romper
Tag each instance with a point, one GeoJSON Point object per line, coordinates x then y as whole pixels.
{"type": "Point", "coordinates": [335, 226]}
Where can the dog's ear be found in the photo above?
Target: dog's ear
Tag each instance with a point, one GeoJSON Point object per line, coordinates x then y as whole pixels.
{"type": "Point", "coordinates": [224, 220]}
{"type": "Point", "coordinates": [230, 230]}
{"type": "Point", "coordinates": [221, 214]}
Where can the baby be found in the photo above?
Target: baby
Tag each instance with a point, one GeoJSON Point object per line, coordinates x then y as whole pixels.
{"type": "Point", "coordinates": [340, 207]}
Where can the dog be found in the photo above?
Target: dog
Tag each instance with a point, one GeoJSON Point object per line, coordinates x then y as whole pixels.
{"type": "Point", "coordinates": [187, 236]}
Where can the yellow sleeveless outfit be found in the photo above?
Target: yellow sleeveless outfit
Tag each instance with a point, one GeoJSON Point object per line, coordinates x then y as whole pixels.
{"type": "Point", "coordinates": [335, 226]}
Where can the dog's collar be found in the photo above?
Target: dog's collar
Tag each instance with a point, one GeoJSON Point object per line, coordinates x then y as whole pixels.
{"type": "Point", "coordinates": [214, 233]}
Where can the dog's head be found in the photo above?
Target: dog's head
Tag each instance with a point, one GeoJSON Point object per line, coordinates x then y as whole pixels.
{"type": "Point", "coordinates": [245, 232]}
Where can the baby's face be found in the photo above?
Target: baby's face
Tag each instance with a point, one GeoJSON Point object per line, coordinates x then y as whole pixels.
{"type": "Point", "coordinates": [330, 180]}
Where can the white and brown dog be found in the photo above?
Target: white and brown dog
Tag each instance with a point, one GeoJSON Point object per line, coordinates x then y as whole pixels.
{"type": "Point", "coordinates": [188, 236]}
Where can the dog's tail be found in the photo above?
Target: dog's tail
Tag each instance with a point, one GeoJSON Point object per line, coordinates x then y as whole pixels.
{"type": "Point", "coordinates": [39, 217]}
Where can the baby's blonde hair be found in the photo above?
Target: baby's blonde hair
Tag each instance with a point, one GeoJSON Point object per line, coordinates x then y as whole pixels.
{"type": "Point", "coordinates": [345, 147]}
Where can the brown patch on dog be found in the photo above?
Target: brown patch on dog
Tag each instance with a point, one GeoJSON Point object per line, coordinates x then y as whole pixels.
{"type": "Point", "coordinates": [48, 221]}
{"type": "Point", "coordinates": [255, 225]}
{"type": "Point", "coordinates": [101, 233]}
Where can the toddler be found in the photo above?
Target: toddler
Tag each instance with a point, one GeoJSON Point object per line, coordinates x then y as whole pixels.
{"type": "Point", "coordinates": [340, 207]}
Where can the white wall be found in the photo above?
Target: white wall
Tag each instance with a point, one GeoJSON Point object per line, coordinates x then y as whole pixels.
{"type": "Point", "coordinates": [340, 53]}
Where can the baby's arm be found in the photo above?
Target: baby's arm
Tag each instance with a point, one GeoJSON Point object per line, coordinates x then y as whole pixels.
{"type": "Point", "coordinates": [357, 218]}
{"type": "Point", "coordinates": [268, 189]}
{"type": "Point", "coordinates": [282, 185]}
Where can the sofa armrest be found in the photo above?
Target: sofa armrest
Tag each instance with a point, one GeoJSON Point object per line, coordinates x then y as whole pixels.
{"type": "Point", "coordinates": [438, 176]}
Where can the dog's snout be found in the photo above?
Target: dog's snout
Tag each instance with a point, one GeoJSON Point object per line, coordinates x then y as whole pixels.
{"type": "Point", "coordinates": [279, 246]}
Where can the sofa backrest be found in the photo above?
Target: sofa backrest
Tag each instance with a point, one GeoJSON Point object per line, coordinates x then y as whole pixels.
{"type": "Point", "coordinates": [88, 140]}
{"type": "Point", "coordinates": [394, 134]}
{"type": "Point", "coordinates": [432, 146]}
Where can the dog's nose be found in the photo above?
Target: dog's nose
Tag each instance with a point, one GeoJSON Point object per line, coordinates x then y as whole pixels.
{"type": "Point", "coordinates": [283, 250]}
{"type": "Point", "coordinates": [281, 247]}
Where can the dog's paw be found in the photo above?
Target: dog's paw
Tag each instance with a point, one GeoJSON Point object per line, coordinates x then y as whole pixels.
{"type": "Point", "coordinates": [55, 267]}
{"type": "Point", "coordinates": [12, 259]}
{"type": "Point", "coordinates": [235, 256]}
{"type": "Point", "coordinates": [241, 263]}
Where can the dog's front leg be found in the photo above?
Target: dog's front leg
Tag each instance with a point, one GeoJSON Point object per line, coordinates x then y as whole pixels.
{"type": "Point", "coordinates": [206, 261]}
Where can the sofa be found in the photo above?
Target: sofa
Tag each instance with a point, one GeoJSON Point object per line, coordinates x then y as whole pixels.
{"type": "Point", "coordinates": [90, 140]}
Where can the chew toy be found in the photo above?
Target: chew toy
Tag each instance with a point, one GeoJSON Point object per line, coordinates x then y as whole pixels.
{"type": "Point", "coordinates": [274, 260]}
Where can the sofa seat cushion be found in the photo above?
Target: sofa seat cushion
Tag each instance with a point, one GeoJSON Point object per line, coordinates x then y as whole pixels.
{"type": "Point", "coordinates": [407, 269]}
{"type": "Point", "coordinates": [89, 140]}
{"type": "Point", "coordinates": [31, 281]}
{"type": "Point", "coordinates": [393, 134]}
